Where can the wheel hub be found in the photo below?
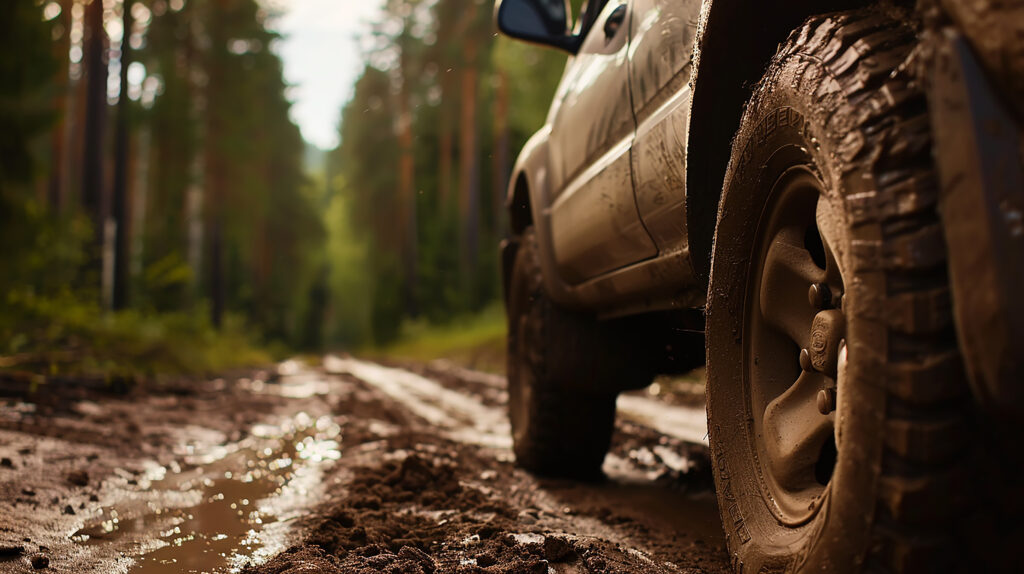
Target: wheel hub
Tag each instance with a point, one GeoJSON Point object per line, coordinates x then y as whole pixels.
{"type": "Point", "coordinates": [827, 331]}
{"type": "Point", "coordinates": [797, 314]}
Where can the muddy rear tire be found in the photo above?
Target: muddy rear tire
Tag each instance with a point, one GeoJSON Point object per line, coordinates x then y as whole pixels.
{"type": "Point", "coordinates": [561, 427]}
{"type": "Point", "coordinates": [836, 407]}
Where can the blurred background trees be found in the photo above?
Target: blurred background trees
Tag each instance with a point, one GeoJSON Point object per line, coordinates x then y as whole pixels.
{"type": "Point", "coordinates": [427, 145]}
{"type": "Point", "coordinates": [148, 165]}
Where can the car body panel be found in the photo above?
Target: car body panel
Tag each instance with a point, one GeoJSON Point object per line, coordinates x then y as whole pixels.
{"type": "Point", "coordinates": [680, 142]}
{"type": "Point", "coordinates": [661, 50]}
{"type": "Point", "coordinates": [590, 174]}
{"type": "Point", "coordinates": [599, 204]}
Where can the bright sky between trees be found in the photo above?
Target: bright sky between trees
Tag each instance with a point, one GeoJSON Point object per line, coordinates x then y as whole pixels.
{"type": "Point", "coordinates": [322, 59]}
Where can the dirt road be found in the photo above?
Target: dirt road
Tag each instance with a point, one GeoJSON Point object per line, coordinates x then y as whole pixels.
{"type": "Point", "coordinates": [349, 466]}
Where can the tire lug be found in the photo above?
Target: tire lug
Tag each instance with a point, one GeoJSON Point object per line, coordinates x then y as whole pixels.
{"type": "Point", "coordinates": [805, 360]}
{"type": "Point", "coordinates": [826, 401]}
{"type": "Point", "coordinates": [819, 296]}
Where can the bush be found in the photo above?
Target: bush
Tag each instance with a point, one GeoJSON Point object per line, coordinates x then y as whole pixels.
{"type": "Point", "coordinates": [61, 335]}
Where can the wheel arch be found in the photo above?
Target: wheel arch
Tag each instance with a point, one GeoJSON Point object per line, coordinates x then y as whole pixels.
{"type": "Point", "coordinates": [526, 196]}
{"type": "Point", "coordinates": [525, 200]}
{"type": "Point", "coordinates": [519, 205]}
{"type": "Point", "coordinates": [736, 41]}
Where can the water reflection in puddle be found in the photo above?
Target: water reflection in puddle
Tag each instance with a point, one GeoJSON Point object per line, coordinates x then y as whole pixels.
{"type": "Point", "coordinates": [215, 516]}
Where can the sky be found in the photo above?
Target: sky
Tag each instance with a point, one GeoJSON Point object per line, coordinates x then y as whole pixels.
{"type": "Point", "coordinates": [321, 59]}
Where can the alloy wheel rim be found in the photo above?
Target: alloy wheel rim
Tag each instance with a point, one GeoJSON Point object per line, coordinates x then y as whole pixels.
{"type": "Point", "coordinates": [794, 346]}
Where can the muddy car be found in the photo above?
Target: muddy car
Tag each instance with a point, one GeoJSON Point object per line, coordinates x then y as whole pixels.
{"type": "Point", "coordinates": [822, 202]}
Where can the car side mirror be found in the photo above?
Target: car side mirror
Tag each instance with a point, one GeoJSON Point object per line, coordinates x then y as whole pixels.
{"type": "Point", "coordinates": [543, 22]}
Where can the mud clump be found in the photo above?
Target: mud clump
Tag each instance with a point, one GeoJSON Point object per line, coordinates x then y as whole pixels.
{"type": "Point", "coordinates": [411, 501]}
{"type": "Point", "coordinates": [78, 478]}
{"type": "Point", "coordinates": [421, 514]}
{"type": "Point", "coordinates": [558, 549]}
{"type": "Point", "coordinates": [39, 561]}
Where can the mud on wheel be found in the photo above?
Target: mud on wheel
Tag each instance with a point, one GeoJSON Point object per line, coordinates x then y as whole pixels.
{"type": "Point", "coordinates": [834, 377]}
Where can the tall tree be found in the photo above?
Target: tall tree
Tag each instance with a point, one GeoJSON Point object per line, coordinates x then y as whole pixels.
{"type": "Point", "coordinates": [469, 156]}
{"type": "Point", "coordinates": [120, 194]}
{"type": "Point", "coordinates": [62, 103]}
{"type": "Point", "coordinates": [95, 48]}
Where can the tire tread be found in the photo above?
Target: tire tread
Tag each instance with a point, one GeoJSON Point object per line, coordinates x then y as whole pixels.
{"type": "Point", "coordinates": [924, 477]}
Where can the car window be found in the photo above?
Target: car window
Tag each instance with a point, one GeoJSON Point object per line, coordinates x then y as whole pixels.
{"type": "Point", "coordinates": [591, 10]}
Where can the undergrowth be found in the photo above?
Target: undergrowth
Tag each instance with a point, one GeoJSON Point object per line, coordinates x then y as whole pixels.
{"type": "Point", "coordinates": [63, 336]}
{"type": "Point", "coordinates": [474, 341]}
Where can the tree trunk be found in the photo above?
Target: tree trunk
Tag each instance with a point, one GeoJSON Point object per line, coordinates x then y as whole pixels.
{"type": "Point", "coordinates": [214, 163]}
{"type": "Point", "coordinates": [407, 199]}
{"type": "Point", "coordinates": [140, 199]}
{"type": "Point", "coordinates": [217, 285]}
{"type": "Point", "coordinates": [469, 196]}
{"type": "Point", "coordinates": [121, 257]}
{"type": "Point", "coordinates": [195, 193]}
{"type": "Point", "coordinates": [93, 198]}
{"type": "Point", "coordinates": [501, 165]}
{"type": "Point", "coordinates": [62, 104]}
{"type": "Point", "coordinates": [445, 173]}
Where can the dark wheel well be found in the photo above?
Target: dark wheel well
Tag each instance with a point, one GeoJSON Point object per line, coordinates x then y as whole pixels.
{"type": "Point", "coordinates": [519, 210]}
{"type": "Point", "coordinates": [736, 44]}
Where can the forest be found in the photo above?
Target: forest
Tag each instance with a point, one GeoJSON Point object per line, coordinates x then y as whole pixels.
{"type": "Point", "coordinates": [158, 204]}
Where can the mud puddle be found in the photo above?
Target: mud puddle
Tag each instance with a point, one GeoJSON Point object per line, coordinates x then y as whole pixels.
{"type": "Point", "coordinates": [219, 511]}
{"type": "Point", "coordinates": [352, 467]}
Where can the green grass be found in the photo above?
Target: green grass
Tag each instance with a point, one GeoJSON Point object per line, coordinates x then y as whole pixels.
{"type": "Point", "coordinates": [475, 342]}
{"type": "Point", "coordinates": [63, 336]}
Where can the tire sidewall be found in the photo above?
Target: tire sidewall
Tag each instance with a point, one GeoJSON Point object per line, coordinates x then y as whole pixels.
{"type": "Point", "coordinates": [786, 127]}
{"type": "Point", "coordinates": [524, 314]}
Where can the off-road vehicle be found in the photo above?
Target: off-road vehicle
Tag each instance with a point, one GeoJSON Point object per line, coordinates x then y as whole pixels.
{"type": "Point", "coordinates": [822, 201]}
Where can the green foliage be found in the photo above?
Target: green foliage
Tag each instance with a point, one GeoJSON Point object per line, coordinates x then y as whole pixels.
{"type": "Point", "coordinates": [396, 238]}
{"type": "Point", "coordinates": [428, 62]}
{"type": "Point", "coordinates": [474, 341]}
{"type": "Point", "coordinates": [26, 73]}
{"type": "Point", "coordinates": [61, 335]}
{"type": "Point", "coordinates": [43, 253]}
{"type": "Point", "coordinates": [349, 316]}
{"type": "Point", "coordinates": [219, 124]}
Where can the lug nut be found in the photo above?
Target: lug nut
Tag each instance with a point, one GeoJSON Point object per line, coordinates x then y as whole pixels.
{"type": "Point", "coordinates": [826, 401]}
{"type": "Point", "coordinates": [819, 296]}
{"type": "Point", "coordinates": [805, 360]}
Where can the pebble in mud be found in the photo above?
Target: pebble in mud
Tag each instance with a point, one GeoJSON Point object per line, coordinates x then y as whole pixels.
{"type": "Point", "coordinates": [39, 561]}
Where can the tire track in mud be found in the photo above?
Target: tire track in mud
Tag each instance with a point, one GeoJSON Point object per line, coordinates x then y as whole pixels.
{"type": "Point", "coordinates": [437, 491]}
{"type": "Point", "coordinates": [187, 477]}
{"type": "Point", "coordinates": [362, 468]}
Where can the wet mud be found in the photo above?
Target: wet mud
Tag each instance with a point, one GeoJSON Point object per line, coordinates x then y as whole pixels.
{"type": "Point", "coordinates": [349, 467]}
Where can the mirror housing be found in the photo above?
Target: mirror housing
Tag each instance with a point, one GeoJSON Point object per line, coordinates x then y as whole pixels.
{"type": "Point", "coordinates": [544, 22]}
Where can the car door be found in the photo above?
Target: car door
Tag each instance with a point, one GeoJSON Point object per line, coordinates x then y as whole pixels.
{"type": "Point", "coordinates": [662, 34]}
{"type": "Point", "coordinates": [595, 224]}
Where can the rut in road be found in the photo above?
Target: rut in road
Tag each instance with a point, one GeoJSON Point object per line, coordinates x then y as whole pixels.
{"type": "Point", "coordinates": [466, 508]}
{"type": "Point", "coordinates": [353, 467]}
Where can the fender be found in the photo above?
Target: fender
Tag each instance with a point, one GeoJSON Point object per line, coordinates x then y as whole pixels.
{"type": "Point", "coordinates": [527, 202]}
{"type": "Point", "coordinates": [736, 39]}
{"type": "Point", "coordinates": [977, 146]}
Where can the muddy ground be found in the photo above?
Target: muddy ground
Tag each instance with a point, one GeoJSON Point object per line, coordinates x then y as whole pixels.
{"type": "Point", "coordinates": [348, 466]}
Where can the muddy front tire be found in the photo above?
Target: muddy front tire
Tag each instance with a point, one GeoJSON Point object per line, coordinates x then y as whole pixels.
{"type": "Point", "coordinates": [836, 407]}
{"type": "Point", "coordinates": [561, 425]}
